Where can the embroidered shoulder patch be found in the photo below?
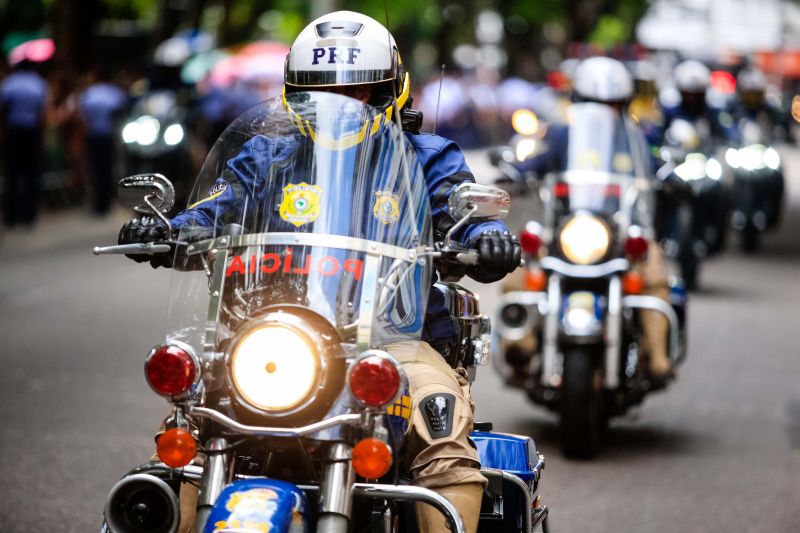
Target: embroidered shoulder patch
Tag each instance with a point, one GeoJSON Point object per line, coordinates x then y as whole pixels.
{"type": "Point", "coordinates": [437, 410]}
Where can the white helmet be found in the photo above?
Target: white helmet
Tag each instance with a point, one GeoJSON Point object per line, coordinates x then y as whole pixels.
{"type": "Point", "coordinates": [602, 79]}
{"type": "Point", "coordinates": [347, 48]}
{"type": "Point", "coordinates": [692, 76]}
{"type": "Point", "coordinates": [751, 79]}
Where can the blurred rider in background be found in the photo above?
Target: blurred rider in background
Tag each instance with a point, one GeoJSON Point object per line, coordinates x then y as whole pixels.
{"type": "Point", "coordinates": [607, 81]}
{"type": "Point", "coordinates": [444, 461]}
{"type": "Point", "coordinates": [101, 106]}
{"type": "Point", "coordinates": [23, 99]}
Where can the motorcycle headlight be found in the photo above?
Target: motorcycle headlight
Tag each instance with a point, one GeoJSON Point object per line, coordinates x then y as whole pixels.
{"type": "Point", "coordinates": [173, 134]}
{"type": "Point", "coordinates": [585, 239]}
{"type": "Point", "coordinates": [147, 130]}
{"type": "Point", "coordinates": [275, 367]}
{"type": "Point", "coordinates": [525, 122]}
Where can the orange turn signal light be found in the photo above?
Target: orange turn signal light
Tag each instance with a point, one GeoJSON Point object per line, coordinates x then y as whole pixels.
{"type": "Point", "coordinates": [372, 458]}
{"type": "Point", "coordinates": [632, 283]}
{"type": "Point", "coordinates": [176, 447]}
{"type": "Point", "coordinates": [535, 280]}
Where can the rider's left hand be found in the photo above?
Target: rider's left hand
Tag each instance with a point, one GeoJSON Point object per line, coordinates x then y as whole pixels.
{"type": "Point", "coordinates": [498, 254]}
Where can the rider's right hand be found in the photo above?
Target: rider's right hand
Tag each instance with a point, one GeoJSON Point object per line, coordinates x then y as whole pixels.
{"type": "Point", "coordinates": [146, 230]}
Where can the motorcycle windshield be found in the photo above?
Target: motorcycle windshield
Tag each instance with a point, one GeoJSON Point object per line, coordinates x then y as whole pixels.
{"type": "Point", "coordinates": [605, 156]}
{"type": "Point", "coordinates": [311, 201]}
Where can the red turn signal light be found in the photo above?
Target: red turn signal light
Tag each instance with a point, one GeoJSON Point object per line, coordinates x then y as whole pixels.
{"type": "Point", "coordinates": [636, 248]}
{"type": "Point", "coordinates": [530, 238]}
{"type": "Point", "coordinates": [632, 283]}
{"type": "Point", "coordinates": [374, 380]}
{"type": "Point", "coordinates": [176, 447]}
{"type": "Point", "coordinates": [372, 458]}
{"type": "Point", "coordinates": [170, 370]}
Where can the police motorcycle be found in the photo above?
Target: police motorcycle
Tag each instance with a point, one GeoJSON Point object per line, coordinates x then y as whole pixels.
{"type": "Point", "coordinates": [287, 409]}
{"type": "Point", "coordinates": [758, 183]}
{"type": "Point", "coordinates": [156, 135]}
{"type": "Point", "coordinates": [573, 336]}
{"type": "Point", "coordinates": [691, 199]}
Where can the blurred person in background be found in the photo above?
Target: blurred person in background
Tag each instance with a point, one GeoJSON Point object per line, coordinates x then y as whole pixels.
{"type": "Point", "coordinates": [23, 102]}
{"type": "Point", "coordinates": [446, 462]}
{"type": "Point", "coordinates": [101, 106]}
{"type": "Point", "coordinates": [607, 81]}
{"type": "Point", "coordinates": [645, 108]}
{"type": "Point", "coordinates": [752, 103]}
{"type": "Point", "coordinates": [692, 80]}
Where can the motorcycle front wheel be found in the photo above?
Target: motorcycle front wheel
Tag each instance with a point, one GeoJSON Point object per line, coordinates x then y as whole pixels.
{"type": "Point", "coordinates": [582, 413]}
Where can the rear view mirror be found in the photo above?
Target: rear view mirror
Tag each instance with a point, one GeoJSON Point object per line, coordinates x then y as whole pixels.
{"type": "Point", "coordinates": [478, 201]}
{"type": "Point", "coordinates": [146, 193]}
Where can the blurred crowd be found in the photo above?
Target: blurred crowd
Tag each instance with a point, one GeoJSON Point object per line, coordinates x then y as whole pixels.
{"type": "Point", "coordinates": [67, 139]}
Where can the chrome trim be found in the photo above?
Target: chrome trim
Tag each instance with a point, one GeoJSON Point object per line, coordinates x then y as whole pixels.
{"type": "Point", "coordinates": [216, 288]}
{"type": "Point", "coordinates": [613, 332]}
{"type": "Point", "coordinates": [366, 308]}
{"type": "Point", "coordinates": [654, 303]}
{"type": "Point", "coordinates": [411, 493]}
{"type": "Point", "coordinates": [527, 299]}
{"type": "Point", "coordinates": [242, 429]}
{"type": "Point", "coordinates": [550, 333]}
{"type": "Point", "coordinates": [215, 478]}
{"type": "Point", "coordinates": [305, 239]}
{"type": "Point", "coordinates": [569, 270]}
{"type": "Point", "coordinates": [338, 476]}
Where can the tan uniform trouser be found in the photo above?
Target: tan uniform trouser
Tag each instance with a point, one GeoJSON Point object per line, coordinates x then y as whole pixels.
{"type": "Point", "coordinates": [448, 464]}
{"type": "Point", "coordinates": [655, 325]}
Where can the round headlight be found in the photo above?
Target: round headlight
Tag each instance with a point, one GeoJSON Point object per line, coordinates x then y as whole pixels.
{"type": "Point", "coordinates": [274, 367]}
{"type": "Point", "coordinates": [525, 122]}
{"type": "Point", "coordinates": [585, 239]}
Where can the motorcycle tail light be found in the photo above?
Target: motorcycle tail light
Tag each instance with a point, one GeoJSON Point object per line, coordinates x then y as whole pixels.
{"type": "Point", "coordinates": [636, 247]}
{"type": "Point", "coordinates": [372, 458]}
{"type": "Point", "coordinates": [170, 370]}
{"type": "Point", "coordinates": [176, 447]}
{"type": "Point", "coordinates": [632, 283]}
{"type": "Point", "coordinates": [374, 380]}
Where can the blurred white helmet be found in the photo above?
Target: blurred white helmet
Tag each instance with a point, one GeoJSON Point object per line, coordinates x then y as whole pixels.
{"type": "Point", "coordinates": [751, 79]}
{"type": "Point", "coordinates": [692, 76]}
{"type": "Point", "coordinates": [347, 48]}
{"type": "Point", "coordinates": [602, 79]}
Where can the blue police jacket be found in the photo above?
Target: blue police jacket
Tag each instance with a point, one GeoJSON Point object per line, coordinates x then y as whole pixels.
{"type": "Point", "coordinates": [100, 105]}
{"type": "Point", "coordinates": [22, 98]}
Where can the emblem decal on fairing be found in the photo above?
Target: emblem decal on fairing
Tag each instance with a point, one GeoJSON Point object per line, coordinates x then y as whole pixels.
{"type": "Point", "coordinates": [300, 204]}
{"type": "Point", "coordinates": [386, 207]}
{"type": "Point", "coordinates": [437, 410]}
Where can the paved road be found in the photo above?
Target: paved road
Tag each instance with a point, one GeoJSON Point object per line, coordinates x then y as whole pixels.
{"type": "Point", "coordinates": [719, 451]}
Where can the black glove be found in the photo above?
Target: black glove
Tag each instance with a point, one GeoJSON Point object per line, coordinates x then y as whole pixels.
{"type": "Point", "coordinates": [498, 254]}
{"type": "Point", "coordinates": [146, 230]}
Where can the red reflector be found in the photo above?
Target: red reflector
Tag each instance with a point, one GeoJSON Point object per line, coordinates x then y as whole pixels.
{"type": "Point", "coordinates": [561, 190]}
{"type": "Point", "coordinates": [636, 247]}
{"type": "Point", "coordinates": [374, 381]}
{"type": "Point", "coordinates": [170, 370]}
{"type": "Point", "coordinates": [530, 242]}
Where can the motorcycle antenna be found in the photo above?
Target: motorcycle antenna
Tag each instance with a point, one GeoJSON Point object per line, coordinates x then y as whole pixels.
{"type": "Point", "coordinates": [395, 111]}
{"type": "Point", "coordinates": [438, 99]}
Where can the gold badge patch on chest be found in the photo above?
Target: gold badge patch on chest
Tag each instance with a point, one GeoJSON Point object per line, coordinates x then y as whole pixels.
{"type": "Point", "coordinates": [386, 207]}
{"type": "Point", "coordinates": [300, 204]}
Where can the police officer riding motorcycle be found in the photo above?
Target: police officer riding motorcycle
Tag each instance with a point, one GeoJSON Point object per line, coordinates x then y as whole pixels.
{"type": "Point", "coordinates": [587, 329]}
{"type": "Point", "coordinates": [310, 241]}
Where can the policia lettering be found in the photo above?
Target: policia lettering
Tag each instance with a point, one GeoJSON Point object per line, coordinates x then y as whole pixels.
{"type": "Point", "coordinates": [333, 55]}
{"type": "Point", "coordinates": [273, 263]}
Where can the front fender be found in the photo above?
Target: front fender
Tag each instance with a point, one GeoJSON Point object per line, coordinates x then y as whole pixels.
{"type": "Point", "coordinates": [259, 505]}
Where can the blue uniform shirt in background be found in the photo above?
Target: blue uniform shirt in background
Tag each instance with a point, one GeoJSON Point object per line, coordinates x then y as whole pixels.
{"type": "Point", "coordinates": [22, 98]}
{"type": "Point", "coordinates": [100, 105]}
